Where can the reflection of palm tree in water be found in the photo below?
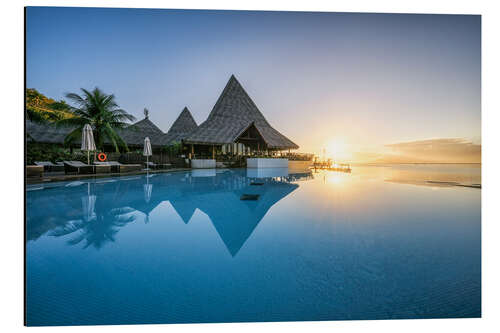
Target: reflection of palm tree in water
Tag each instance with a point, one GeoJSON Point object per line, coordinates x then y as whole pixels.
{"type": "Point", "coordinates": [98, 231]}
{"type": "Point", "coordinates": [218, 197]}
{"type": "Point", "coordinates": [98, 224]}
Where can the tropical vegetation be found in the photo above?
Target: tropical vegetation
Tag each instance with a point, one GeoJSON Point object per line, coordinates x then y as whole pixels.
{"type": "Point", "coordinates": [36, 151]}
{"type": "Point", "coordinates": [41, 109]}
{"type": "Point", "coordinates": [173, 149]}
{"type": "Point", "coordinates": [101, 111]}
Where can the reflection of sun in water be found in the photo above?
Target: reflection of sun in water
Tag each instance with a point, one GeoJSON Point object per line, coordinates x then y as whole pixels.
{"type": "Point", "coordinates": [338, 149]}
{"type": "Point", "coordinates": [336, 177]}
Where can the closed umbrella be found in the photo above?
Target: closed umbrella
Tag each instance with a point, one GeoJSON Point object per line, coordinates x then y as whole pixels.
{"type": "Point", "coordinates": [147, 151]}
{"type": "Point", "coordinates": [88, 143]}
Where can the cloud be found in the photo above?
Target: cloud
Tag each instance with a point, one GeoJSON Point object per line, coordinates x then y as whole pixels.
{"type": "Point", "coordinates": [449, 150]}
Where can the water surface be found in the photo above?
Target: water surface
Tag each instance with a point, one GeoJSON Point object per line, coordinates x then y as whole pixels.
{"type": "Point", "coordinates": [379, 243]}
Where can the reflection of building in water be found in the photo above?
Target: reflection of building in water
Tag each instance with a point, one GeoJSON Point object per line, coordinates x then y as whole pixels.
{"type": "Point", "coordinates": [217, 195]}
{"type": "Point", "coordinates": [235, 219]}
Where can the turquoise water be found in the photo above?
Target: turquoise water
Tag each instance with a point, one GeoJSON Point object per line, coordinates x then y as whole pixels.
{"type": "Point", "coordinates": [378, 243]}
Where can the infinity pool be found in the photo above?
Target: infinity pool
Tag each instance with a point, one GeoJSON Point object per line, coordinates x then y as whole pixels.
{"type": "Point", "coordinates": [379, 243]}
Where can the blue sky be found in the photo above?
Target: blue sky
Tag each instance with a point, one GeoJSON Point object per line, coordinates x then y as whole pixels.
{"type": "Point", "coordinates": [361, 81]}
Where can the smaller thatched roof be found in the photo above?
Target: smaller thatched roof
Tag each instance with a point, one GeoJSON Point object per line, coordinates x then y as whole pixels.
{"type": "Point", "coordinates": [134, 134]}
{"type": "Point", "coordinates": [46, 133]}
{"type": "Point", "coordinates": [233, 113]}
{"type": "Point", "coordinates": [181, 128]}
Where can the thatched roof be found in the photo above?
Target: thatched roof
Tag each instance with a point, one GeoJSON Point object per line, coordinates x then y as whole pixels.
{"type": "Point", "coordinates": [233, 113]}
{"type": "Point", "coordinates": [46, 133]}
{"type": "Point", "coordinates": [133, 135]}
{"type": "Point", "coordinates": [181, 128]}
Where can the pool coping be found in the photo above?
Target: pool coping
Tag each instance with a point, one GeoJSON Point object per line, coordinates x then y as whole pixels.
{"type": "Point", "coordinates": [62, 178]}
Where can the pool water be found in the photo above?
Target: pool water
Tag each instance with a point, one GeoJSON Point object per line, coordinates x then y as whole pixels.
{"type": "Point", "coordinates": [378, 243]}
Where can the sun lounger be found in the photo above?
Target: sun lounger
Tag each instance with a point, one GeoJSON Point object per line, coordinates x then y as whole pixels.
{"type": "Point", "coordinates": [102, 168]}
{"type": "Point", "coordinates": [150, 165]}
{"type": "Point", "coordinates": [49, 166]}
{"type": "Point", "coordinates": [118, 167]}
{"type": "Point", "coordinates": [128, 167]}
{"type": "Point", "coordinates": [34, 171]}
{"type": "Point", "coordinates": [153, 165]}
{"type": "Point", "coordinates": [78, 167]}
{"type": "Point", "coordinates": [113, 168]}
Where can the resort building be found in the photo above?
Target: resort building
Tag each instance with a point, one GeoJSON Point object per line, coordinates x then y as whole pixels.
{"type": "Point", "coordinates": [133, 135]}
{"type": "Point", "coordinates": [236, 126]}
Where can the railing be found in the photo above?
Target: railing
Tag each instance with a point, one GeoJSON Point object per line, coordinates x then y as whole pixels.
{"type": "Point", "coordinates": [298, 156]}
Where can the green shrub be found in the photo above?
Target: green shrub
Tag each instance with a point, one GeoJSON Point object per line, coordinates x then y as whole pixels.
{"type": "Point", "coordinates": [53, 153]}
{"type": "Point", "coordinates": [174, 149]}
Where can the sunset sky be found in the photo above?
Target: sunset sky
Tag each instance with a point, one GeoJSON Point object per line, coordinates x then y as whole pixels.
{"type": "Point", "coordinates": [361, 87]}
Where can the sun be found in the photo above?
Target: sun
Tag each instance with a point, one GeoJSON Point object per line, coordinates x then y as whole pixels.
{"type": "Point", "coordinates": [337, 149]}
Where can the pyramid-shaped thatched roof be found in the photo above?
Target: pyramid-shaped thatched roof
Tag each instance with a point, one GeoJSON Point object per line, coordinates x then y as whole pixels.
{"type": "Point", "coordinates": [181, 128]}
{"type": "Point", "coordinates": [134, 134]}
{"type": "Point", "coordinates": [233, 113]}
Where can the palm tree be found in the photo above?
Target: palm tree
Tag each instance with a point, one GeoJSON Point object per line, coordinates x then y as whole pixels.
{"type": "Point", "coordinates": [101, 112]}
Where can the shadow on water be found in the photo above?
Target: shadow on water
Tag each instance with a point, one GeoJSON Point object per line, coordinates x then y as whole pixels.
{"type": "Point", "coordinates": [92, 213]}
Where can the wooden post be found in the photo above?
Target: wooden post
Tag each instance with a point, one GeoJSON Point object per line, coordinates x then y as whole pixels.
{"type": "Point", "coordinates": [213, 152]}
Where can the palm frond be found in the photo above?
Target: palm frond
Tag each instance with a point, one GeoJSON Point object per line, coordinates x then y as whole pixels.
{"type": "Point", "coordinates": [73, 136]}
{"type": "Point", "coordinates": [75, 98]}
{"type": "Point", "coordinates": [100, 111]}
{"type": "Point", "coordinates": [115, 138]}
{"type": "Point", "coordinates": [70, 122]}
